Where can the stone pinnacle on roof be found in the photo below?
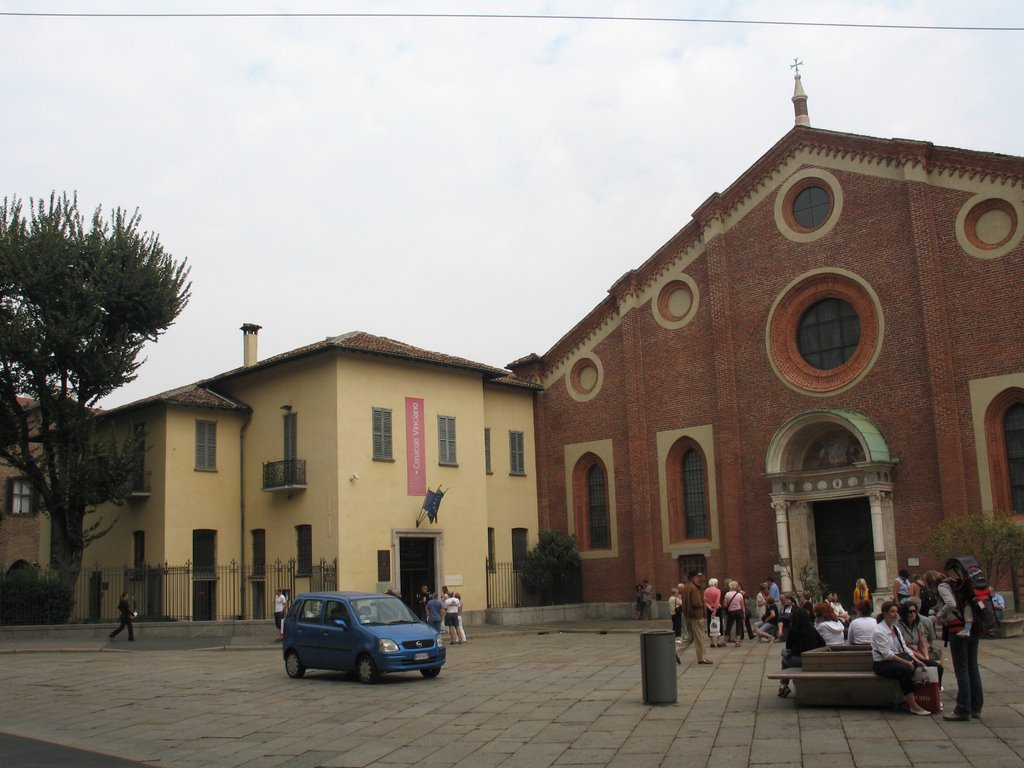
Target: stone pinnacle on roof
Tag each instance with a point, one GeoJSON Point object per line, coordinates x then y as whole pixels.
{"type": "Point", "coordinates": [801, 117]}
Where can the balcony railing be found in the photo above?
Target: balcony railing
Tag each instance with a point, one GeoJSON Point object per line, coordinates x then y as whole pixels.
{"type": "Point", "coordinates": [287, 475]}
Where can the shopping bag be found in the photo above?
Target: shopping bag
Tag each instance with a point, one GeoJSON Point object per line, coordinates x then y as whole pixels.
{"type": "Point", "coordinates": [715, 627]}
{"type": "Point", "coordinates": [926, 694]}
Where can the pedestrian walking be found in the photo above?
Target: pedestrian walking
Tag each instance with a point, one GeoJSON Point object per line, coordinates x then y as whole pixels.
{"type": "Point", "coordinates": [127, 615]}
{"type": "Point", "coordinates": [280, 609]}
{"type": "Point", "coordinates": [694, 617]}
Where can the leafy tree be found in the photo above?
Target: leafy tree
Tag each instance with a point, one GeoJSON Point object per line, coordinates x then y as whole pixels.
{"type": "Point", "coordinates": [551, 561]}
{"type": "Point", "coordinates": [992, 538]}
{"type": "Point", "coordinates": [77, 305]}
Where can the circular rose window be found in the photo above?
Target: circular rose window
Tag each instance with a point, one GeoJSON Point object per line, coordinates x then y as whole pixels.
{"type": "Point", "coordinates": [824, 332]}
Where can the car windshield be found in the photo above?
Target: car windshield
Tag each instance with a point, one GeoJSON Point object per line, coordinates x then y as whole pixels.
{"type": "Point", "coordinates": [382, 610]}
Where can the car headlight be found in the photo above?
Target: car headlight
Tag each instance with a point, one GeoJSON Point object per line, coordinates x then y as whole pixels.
{"type": "Point", "coordinates": [384, 645]}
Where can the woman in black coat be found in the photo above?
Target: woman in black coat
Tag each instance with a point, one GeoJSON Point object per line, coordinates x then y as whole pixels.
{"type": "Point", "coordinates": [802, 636]}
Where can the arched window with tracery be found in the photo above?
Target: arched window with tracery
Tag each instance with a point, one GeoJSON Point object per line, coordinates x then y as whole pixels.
{"type": "Point", "coordinates": [1004, 437]}
{"type": "Point", "coordinates": [1013, 434]}
{"type": "Point", "coordinates": [686, 476]}
{"type": "Point", "coordinates": [591, 504]}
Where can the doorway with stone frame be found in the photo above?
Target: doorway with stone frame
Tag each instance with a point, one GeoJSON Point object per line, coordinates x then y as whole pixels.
{"type": "Point", "coordinates": [831, 492]}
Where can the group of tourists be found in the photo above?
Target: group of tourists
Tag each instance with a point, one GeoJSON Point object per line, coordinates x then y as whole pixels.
{"type": "Point", "coordinates": [445, 608]}
{"type": "Point", "coordinates": [903, 637]}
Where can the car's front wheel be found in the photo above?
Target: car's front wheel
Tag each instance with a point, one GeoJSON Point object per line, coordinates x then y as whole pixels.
{"type": "Point", "coordinates": [366, 670]}
{"type": "Point", "coordinates": [429, 673]}
{"type": "Point", "coordinates": [293, 666]}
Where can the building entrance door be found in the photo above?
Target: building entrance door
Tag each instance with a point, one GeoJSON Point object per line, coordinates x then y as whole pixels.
{"type": "Point", "coordinates": [417, 567]}
{"type": "Point", "coordinates": [842, 531]}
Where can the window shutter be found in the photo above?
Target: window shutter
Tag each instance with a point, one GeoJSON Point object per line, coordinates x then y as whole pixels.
{"type": "Point", "coordinates": [381, 428]}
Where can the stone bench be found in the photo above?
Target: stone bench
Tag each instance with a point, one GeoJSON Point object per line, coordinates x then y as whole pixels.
{"type": "Point", "coordinates": [1011, 626]}
{"type": "Point", "coordinates": [840, 676]}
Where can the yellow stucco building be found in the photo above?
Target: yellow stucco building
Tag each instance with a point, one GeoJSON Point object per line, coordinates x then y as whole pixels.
{"type": "Point", "coordinates": [318, 460]}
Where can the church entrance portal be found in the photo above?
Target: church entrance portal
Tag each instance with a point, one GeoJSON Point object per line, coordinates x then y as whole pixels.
{"type": "Point", "coordinates": [842, 533]}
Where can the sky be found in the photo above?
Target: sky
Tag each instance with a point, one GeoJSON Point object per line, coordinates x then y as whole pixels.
{"type": "Point", "coordinates": [472, 186]}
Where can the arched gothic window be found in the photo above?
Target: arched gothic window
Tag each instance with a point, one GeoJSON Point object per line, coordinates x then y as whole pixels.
{"type": "Point", "coordinates": [686, 475]}
{"type": "Point", "coordinates": [1013, 434]}
{"type": "Point", "coordinates": [1004, 440]}
{"type": "Point", "coordinates": [591, 504]}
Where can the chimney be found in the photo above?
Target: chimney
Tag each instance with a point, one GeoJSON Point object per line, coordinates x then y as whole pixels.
{"type": "Point", "coordinates": [250, 332]}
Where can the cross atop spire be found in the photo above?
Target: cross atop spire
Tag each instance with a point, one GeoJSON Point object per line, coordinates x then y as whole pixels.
{"type": "Point", "coordinates": [801, 116]}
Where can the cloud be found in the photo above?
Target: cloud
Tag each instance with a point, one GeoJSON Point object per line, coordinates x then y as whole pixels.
{"type": "Point", "coordinates": [472, 186]}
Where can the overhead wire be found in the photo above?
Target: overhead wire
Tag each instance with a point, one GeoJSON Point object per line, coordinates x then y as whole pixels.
{"type": "Point", "coordinates": [496, 16]}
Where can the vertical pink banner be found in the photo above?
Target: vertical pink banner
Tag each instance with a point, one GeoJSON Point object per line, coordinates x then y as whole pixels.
{"type": "Point", "coordinates": [416, 469]}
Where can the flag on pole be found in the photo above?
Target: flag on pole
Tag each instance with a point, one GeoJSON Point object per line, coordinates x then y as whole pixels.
{"type": "Point", "coordinates": [432, 503]}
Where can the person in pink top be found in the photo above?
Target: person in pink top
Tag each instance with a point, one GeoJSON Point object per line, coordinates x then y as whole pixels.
{"type": "Point", "coordinates": [713, 600]}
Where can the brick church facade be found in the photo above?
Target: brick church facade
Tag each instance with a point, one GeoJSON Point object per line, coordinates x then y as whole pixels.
{"type": "Point", "coordinates": [823, 363]}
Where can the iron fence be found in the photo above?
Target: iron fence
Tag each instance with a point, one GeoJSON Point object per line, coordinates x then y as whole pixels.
{"type": "Point", "coordinates": [505, 588]}
{"type": "Point", "coordinates": [169, 592]}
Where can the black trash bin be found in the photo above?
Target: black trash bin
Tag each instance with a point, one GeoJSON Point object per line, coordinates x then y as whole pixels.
{"type": "Point", "coordinates": [658, 667]}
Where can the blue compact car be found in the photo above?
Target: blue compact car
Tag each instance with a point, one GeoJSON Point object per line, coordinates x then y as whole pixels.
{"type": "Point", "coordinates": [360, 632]}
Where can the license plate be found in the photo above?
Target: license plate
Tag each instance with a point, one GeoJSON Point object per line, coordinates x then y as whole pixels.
{"type": "Point", "coordinates": [421, 657]}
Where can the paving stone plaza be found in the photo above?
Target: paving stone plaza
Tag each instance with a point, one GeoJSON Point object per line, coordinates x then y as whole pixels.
{"type": "Point", "coordinates": [519, 698]}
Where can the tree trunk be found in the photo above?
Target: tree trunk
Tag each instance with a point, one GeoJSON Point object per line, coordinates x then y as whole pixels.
{"type": "Point", "coordinates": [66, 549]}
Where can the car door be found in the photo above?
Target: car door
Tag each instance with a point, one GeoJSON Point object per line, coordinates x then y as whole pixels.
{"type": "Point", "coordinates": [337, 636]}
{"type": "Point", "coordinates": [308, 629]}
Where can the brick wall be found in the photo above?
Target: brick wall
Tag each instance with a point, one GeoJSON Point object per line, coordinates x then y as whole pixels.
{"type": "Point", "coordinates": [948, 318]}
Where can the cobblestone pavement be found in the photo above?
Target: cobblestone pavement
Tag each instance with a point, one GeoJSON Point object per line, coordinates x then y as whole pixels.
{"type": "Point", "coordinates": [526, 699]}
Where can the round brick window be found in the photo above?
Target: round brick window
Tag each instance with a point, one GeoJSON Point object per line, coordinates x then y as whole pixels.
{"type": "Point", "coordinates": [990, 224]}
{"type": "Point", "coordinates": [989, 227]}
{"type": "Point", "coordinates": [676, 303]}
{"type": "Point", "coordinates": [585, 378]}
{"type": "Point", "coordinates": [808, 205]}
{"type": "Point", "coordinates": [811, 205]}
{"type": "Point", "coordinates": [824, 332]}
{"type": "Point", "coordinates": [828, 334]}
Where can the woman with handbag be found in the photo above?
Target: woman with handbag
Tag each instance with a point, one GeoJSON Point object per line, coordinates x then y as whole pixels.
{"type": "Point", "coordinates": [735, 607]}
{"type": "Point", "coordinates": [893, 659]}
{"type": "Point", "coordinates": [911, 628]}
{"type": "Point", "coordinates": [713, 601]}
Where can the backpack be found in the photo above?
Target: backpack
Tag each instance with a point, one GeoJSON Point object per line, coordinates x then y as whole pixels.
{"type": "Point", "coordinates": [973, 591]}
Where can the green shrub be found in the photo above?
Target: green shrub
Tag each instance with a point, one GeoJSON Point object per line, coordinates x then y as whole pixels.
{"type": "Point", "coordinates": [27, 599]}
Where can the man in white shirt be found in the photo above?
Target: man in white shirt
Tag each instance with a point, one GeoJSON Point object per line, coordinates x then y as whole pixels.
{"type": "Point", "coordinates": [860, 629]}
{"type": "Point", "coordinates": [452, 604]}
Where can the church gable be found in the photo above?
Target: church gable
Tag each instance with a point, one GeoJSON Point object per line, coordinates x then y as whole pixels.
{"type": "Point", "coordinates": [770, 212]}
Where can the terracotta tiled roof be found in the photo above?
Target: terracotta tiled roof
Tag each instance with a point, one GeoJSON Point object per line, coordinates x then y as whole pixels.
{"type": "Point", "coordinates": [190, 396]}
{"type": "Point", "coordinates": [203, 394]}
{"type": "Point", "coordinates": [360, 341]}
